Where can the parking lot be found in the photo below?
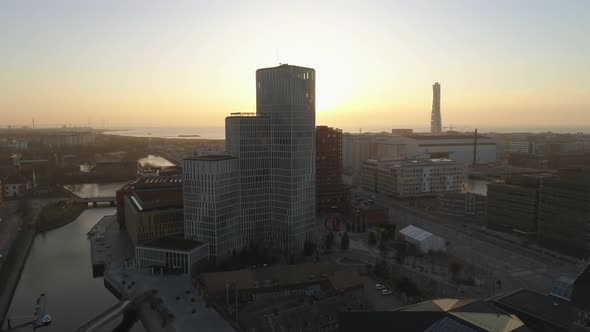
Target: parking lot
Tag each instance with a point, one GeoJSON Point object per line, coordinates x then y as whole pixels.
{"type": "Point", "coordinates": [380, 302]}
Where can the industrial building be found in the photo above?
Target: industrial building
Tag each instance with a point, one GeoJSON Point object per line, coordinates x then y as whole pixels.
{"type": "Point", "coordinates": [424, 241]}
{"type": "Point", "coordinates": [413, 178]}
{"type": "Point", "coordinates": [172, 255]}
{"type": "Point", "coordinates": [564, 212]}
{"type": "Point", "coordinates": [330, 191]}
{"type": "Point", "coordinates": [461, 204]}
{"type": "Point", "coordinates": [464, 149]}
{"type": "Point", "coordinates": [513, 205]}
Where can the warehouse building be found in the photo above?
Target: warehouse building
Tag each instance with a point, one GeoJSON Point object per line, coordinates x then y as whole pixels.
{"type": "Point", "coordinates": [424, 241]}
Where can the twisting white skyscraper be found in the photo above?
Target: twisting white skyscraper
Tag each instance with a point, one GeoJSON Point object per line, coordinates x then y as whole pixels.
{"type": "Point", "coordinates": [435, 119]}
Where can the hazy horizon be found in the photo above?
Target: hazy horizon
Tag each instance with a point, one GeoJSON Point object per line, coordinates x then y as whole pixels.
{"type": "Point", "coordinates": [191, 63]}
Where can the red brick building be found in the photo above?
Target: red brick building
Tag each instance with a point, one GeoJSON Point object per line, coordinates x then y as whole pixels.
{"type": "Point", "coordinates": [330, 191]}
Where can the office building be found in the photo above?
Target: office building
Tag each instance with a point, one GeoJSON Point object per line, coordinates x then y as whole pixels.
{"type": "Point", "coordinates": [513, 205]}
{"type": "Point", "coordinates": [564, 212]}
{"type": "Point", "coordinates": [212, 203]}
{"type": "Point", "coordinates": [461, 204]}
{"type": "Point", "coordinates": [248, 139]}
{"type": "Point", "coordinates": [330, 191]}
{"type": "Point", "coordinates": [413, 178]}
{"type": "Point", "coordinates": [152, 214]}
{"type": "Point", "coordinates": [435, 118]}
{"type": "Point", "coordinates": [286, 94]}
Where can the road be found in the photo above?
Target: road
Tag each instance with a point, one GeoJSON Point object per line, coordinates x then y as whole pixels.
{"type": "Point", "coordinates": [514, 265]}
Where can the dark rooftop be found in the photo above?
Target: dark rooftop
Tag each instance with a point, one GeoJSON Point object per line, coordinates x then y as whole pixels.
{"type": "Point", "coordinates": [284, 65]}
{"type": "Point", "coordinates": [159, 198]}
{"type": "Point", "coordinates": [434, 315]}
{"type": "Point", "coordinates": [211, 157]}
{"type": "Point", "coordinates": [172, 242]}
{"type": "Point", "coordinates": [14, 179]}
{"type": "Point", "coordinates": [547, 308]}
{"type": "Point", "coordinates": [581, 290]}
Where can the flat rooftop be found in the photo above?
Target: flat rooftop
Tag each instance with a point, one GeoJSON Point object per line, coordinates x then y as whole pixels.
{"type": "Point", "coordinates": [211, 157]}
{"type": "Point", "coordinates": [177, 243]}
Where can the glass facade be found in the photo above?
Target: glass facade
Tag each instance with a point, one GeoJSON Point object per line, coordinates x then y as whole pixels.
{"type": "Point", "coordinates": [211, 203]}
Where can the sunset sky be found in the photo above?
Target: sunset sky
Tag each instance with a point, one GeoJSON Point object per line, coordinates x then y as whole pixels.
{"type": "Point", "coordinates": [191, 63]}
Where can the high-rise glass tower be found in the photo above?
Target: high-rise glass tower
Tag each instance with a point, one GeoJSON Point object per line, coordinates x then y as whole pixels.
{"type": "Point", "coordinates": [435, 120]}
{"type": "Point", "coordinates": [286, 96]}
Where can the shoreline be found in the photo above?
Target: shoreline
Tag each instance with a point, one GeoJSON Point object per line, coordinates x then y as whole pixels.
{"type": "Point", "coordinates": [9, 277]}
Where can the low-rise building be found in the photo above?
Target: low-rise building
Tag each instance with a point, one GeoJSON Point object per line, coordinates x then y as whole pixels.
{"type": "Point", "coordinates": [150, 181]}
{"type": "Point", "coordinates": [564, 212]}
{"type": "Point", "coordinates": [279, 282]}
{"type": "Point", "coordinates": [413, 178]}
{"type": "Point", "coordinates": [513, 205]}
{"type": "Point", "coordinates": [15, 185]}
{"type": "Point", "coordinates": [172, 255]}
{"type": "Point", "coordinates": [151, 214]}
{"type": "Point", "coordinates": [461, 204]}
{"type": "Point", "coordinates": [423, 240]}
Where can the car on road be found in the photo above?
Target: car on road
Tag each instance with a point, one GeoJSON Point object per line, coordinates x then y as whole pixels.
{"type": "Point", "coordinates": [385, 292]}
{"type": "Point", "coordinates": [379, 287]}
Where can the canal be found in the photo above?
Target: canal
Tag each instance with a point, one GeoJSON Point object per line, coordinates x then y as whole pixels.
{"type": "Point", "coordinates": [59, 265]}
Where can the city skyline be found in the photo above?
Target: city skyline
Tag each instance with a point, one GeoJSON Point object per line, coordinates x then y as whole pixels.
{"type": "Point", "coordinates": [501, 63]}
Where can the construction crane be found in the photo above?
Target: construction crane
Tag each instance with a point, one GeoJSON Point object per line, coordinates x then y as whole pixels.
{"type": "Point", "coordinates": [452, 126]}
{"type": "Point", "coordinates": [39, 319]}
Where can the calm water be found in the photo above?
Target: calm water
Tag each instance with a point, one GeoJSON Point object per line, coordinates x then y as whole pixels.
{"type": "Point", "coordinates": [59, 265]}
{"type": "Point", "coordinates": [218, 132]}
{"type": "Point", "coordinates": [87, 190]}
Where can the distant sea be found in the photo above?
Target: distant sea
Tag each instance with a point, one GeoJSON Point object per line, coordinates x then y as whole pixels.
{"type": "Point", "coordinates": [219, 132]}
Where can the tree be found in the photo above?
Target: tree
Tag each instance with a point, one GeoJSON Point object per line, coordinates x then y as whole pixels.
{"type": "Point", "coordinates": [329, 241]}
{"type": "Point", "coordinates": [455, 266]}
{"type": "Point", "coordinates": [372, 239]}
{"type": "Point", "coordinates": [408, 287]}
{"type": "Point", "coordinates": [308, 248]}
{"type": "Point", "coordinates": [344, 241]}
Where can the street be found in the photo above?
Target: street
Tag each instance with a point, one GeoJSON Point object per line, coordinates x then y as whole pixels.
{"type": "Point", "coordinates": [515, 266]}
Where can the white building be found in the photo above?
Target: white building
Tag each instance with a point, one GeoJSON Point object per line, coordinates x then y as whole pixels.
{"type": "Point", "coordinates": [211, 203]}
{"type": "Point", "coordinates": [413, 178]}
{"type": "Point", "coordinates": [424, 241]}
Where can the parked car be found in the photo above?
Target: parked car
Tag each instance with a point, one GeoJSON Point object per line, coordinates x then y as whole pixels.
{"type": "Point", "coordinates": [379, 287]}
{"type": "Point", "coordinates": [385, 292]}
